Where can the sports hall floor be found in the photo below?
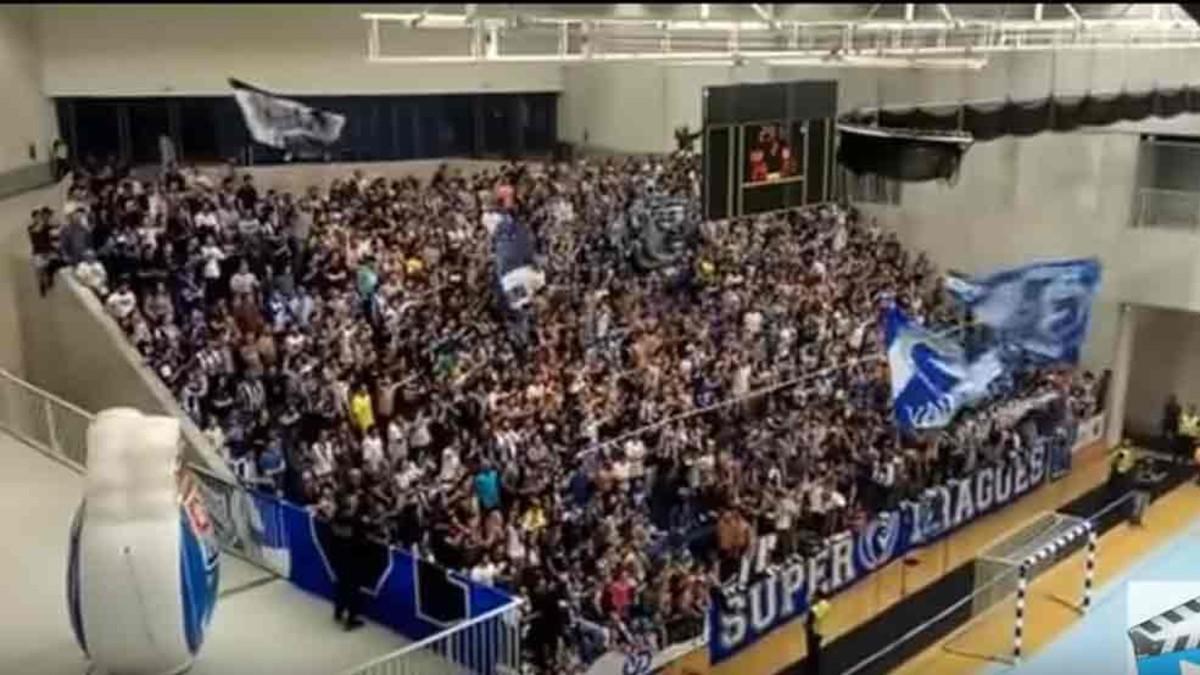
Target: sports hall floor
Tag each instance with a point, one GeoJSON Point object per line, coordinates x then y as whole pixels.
{"type": "Point", "coordinates": [261, 625]}
{"type": "Point", "coordinates": [1058, 641]}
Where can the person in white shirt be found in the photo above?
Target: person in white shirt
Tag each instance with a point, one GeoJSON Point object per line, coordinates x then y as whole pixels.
{"type": "Point", "coordinates": [635, 455]}
{"type": "Point", "coordinates": [244, 282]}
{"type": "Point", "coordinates": [372, 451]}
{"type": "Point", "coordinates": [91, 273]}
{"type": "Point", "coordinates": [216, 438]}
{"type": "Point", "coordinates": [322, 456]}
{"type": "Point", "coordinates": [121, 303]}
{"type": "Point", "coordinates": [451, 465]}
{"type": "Point", "coordinates": [212, 256]}
{"type": "Point", "coordinates": [408, 475]}
{"type": "Point", "coordinates": [397, 440]}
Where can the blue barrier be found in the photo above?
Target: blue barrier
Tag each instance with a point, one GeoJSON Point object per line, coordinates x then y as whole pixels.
{"type": "Point", "coordinates": [413, 597]}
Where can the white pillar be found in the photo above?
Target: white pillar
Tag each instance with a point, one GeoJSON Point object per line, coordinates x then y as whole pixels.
{"type": "Point", "coordinates": [1118, 385]}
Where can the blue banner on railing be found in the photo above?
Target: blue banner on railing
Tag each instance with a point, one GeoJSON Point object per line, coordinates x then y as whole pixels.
{"type": "Point", "coordinates": [412, 596]}
{"type": "Point", "coordinates": [740, 618]}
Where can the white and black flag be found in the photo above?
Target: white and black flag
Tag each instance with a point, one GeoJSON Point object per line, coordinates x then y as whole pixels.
{"type": "Point", "coordinates": [283, 123]}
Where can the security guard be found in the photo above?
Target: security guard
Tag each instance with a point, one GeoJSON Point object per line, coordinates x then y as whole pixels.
{"type": "Point", "coordinates": [1189, 429]}
{"type": "Point", "coordinates": [814, 631]}
{"type": "Point", "coordinates": [1120, 478]}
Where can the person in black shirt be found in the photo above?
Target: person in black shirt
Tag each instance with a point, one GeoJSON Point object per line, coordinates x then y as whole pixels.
{"type": "Point", "coordinates": [348, 529]}
{"type": "Point", "coordinates": [247, 194]}
{"type": "Point", "coordinates": [1172, 412]}
{"type": "Point", "coordinates": [41, 240]}
{"type": "Point", "coordinates": [547, 603]}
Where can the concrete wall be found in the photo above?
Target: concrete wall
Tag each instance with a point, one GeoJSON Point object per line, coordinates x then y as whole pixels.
{"type": "Point", "coordinates": [636, 107]}
{"type": "Point", "coordinates": [1166, 360]}
{"type": "Point", "coordinates": [75, 351]}
{"type": "Point", "coordinates": [155, 50]}
{"type": "Point", "coordinates": [26, 117]}
{"type": "Point", "coordinates": [1048, 196]}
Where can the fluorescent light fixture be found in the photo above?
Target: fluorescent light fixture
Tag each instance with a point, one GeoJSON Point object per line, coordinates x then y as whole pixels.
{"type": "Point", "coordinates": [888, 62]}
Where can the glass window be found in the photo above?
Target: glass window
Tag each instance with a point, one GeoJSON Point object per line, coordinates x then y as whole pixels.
{"type": "Point", "coordinates": [500, 125]}
{"type": "Point", "coordinates": [538, 119]}
{"type": "Point", "coordinates": [97, 130]}
{"type": "Point", "coordinates": [148, 120]}
{"type": "Point", "coordinates": [198, 130]}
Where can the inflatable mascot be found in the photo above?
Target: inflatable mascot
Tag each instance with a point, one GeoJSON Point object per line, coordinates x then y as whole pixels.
{"type": "Point", "coordinates": [143, 568]}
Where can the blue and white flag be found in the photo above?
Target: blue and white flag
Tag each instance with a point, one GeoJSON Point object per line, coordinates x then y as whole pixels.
{"type": "Point", "coordinates": [519, 278]}
{"type": "Point", "coordinates": [931, 376]}
{"type": "Point", "coordinates": [1042, 308]}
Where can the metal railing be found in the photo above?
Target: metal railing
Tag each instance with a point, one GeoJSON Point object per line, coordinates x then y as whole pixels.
{"type": "Point", "coordinates": [489, 644]}
{"type": "Point", "coordinates": [49, 424]}
{"type": "Point", "coordinates": [1168, 209]}
{"type": "Point", "coordinates": [249, 526]}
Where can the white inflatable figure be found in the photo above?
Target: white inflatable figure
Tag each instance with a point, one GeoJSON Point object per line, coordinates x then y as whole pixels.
{"type": "Point", "coordinates": [143, 569]}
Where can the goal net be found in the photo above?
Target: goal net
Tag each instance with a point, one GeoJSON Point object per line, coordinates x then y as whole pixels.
{"type": "Point", "coordinates": [1013, 587]}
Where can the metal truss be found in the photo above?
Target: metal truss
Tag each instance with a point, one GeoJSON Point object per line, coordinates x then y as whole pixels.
{"type": "Point", "coordinates": [945, 40]}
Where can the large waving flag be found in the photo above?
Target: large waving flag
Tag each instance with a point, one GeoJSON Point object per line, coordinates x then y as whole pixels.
{"type": "Point", "coordinates": [663, 226]}
{"type": "Point", "coordinates": [1043, 308]}
{"type": "Point", "coordinates": [931, 376]}
{"type": "Point", "coordinates": [283, 123]}
{"type": "Point", "coordinates": [512, 248]}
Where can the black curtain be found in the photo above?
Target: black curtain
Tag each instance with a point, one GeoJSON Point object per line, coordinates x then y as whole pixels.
{"type": "Point", "coordinates": [898, 155]}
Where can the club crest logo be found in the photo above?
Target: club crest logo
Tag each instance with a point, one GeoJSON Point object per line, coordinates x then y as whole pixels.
{"type": "Point", "coordinates": [877, 543]}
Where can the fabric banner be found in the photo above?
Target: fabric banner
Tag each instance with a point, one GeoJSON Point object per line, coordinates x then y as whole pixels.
{"type": "Point", "coordinates": [931, 376]}
{"type": "Point", "coordinates": [512, 249]}
{"type": "Point", "coordinates": [245, 522]}
{"type": "Point", "coordinates": [412, 596]}
{"type": "Point", "coordinates": [283, 123]}
{"type": "Point", "coordinates": [739, 618]}
{"type": "Point", "coordinates": [1042, 308]}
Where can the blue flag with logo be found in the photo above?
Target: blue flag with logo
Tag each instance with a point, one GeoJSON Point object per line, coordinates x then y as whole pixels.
{"type": "Point", "coordinates": [1042, 308]}
{"type": "Point", "coordinates": [932, 378]}
{"type": "Point", "coordinates": [516, 271]}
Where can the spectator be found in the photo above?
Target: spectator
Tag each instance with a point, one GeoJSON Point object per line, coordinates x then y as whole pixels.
{"type": "Point", "coordinates": [647, 424]}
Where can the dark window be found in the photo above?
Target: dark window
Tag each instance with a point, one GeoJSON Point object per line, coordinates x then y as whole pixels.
{"type": "Point", "coordinates": [198, 130]}
{"type": "Point", "coordinates": [500, 125]}
{"type": "Point", "coordinates": [148, 120]}
{"type": "Point", "coordinates": [97, 129]}
{"type": "Point", "coordinates": [377, 127]}
{"type": "Point", "coordinates": [538, 121]}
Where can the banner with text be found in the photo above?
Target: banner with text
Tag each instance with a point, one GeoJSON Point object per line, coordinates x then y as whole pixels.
{"type": "Point", "coordinates": [740, 618]}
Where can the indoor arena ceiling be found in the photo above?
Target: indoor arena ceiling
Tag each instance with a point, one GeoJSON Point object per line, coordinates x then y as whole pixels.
{"type": "Point", "coordinates": [908, 35]}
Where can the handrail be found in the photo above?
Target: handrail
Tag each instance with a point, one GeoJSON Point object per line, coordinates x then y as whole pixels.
{"type": "Point", "coordinates": [514, 604]}
{"type": "Point", "coordinates": [34, 389]}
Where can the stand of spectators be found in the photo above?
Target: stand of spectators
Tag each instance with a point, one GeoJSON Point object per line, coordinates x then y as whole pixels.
{"type": "Point", "coordinates": [654, 432]}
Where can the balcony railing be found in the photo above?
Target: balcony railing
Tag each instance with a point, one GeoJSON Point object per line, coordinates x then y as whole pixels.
{"type": "Point", "coordinates": [1168, 209]}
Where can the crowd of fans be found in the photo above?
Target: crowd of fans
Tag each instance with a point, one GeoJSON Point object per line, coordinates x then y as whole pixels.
{"type": "Point", "coordinates": [651, 432]}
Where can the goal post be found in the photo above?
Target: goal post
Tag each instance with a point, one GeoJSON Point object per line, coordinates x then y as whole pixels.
{"type": "Point", "coordinates": [1004, 580]}
{"type": "Point", "coordinates": [1083, 531]}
